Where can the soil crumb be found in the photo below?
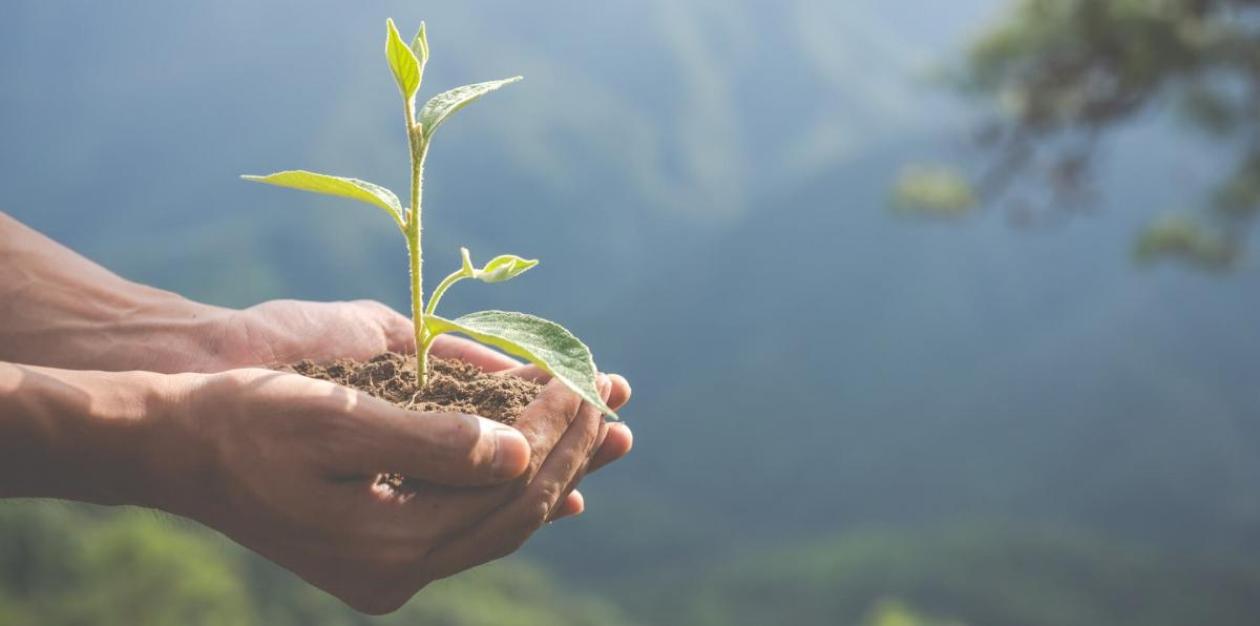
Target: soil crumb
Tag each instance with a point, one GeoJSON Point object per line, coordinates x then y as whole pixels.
{"type": "Point", "coordinates": [454, 386]}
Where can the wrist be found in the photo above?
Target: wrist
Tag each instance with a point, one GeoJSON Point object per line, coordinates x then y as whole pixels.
{"type": "Point", "coordinates": [96, 437]}
{"type": "Point", "coordinates": [61, 310]}
{"type": "Point", "coordinates": [162, 332]}
{"type": "Point", "coordinates": [178, 460]}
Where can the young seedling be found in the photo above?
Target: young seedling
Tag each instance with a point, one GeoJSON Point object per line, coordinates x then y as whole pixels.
{"type": "Point", "coordinates": [544, 343]}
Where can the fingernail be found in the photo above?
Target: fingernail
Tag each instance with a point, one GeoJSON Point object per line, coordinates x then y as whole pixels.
{"type": "Point", "coordinates": [511, 452]}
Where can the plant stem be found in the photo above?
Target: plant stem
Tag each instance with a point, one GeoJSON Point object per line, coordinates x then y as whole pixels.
{"type": "Point", "coordinates": [446, 283]}
{"type": "Point", "coordinates": [415, 141]}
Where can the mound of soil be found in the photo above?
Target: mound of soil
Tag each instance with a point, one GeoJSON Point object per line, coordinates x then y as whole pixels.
{"type": "Point", "coordinates": [454, 386]}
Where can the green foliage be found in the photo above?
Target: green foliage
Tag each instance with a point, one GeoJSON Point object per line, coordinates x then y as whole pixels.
{"type": "Point", "coordinates": [445, 104]}
{"type": "Point", "coordinates": [507, 594]}
{"type": "Point", "coordinates": [1176, 236]}
{"type": "Point", "coordinates": [62, 568]}
{"type": "Point", "coordinates": [894, 612]}
{"type": "Point", "coordinates": [1061, 74]}
{"type": "Point", "coordinates": [543, 343]}
{"type": "Point", "coordinates": [935, 190]}
{"type": "Point", "coordinates": [971, 574]}
{"type": "Point", "coordinates": [76, 565]}
{"type": "Point", "coordinates": [73, 565]}
{"type": "Point", "coordinates": [537, 340]}
{"type": "Point", "coordinates": [353, 188]}
{"type": "Point", "coordinates": [403, 62]}
{"type": "Point", "coordinates": [420, 46]}
{"type": "Point", "coordinates": [502, 268]}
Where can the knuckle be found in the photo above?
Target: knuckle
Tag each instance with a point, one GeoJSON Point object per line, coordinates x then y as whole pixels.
{"type": "Point", "coordinates": [534, 516]}
{"type": "Point", "coordinates": [508, 546]}
{"type": "Point", "coordinates": [591, 428]}
{"type": "Point", "coordinates": [377, 602]}
{"type": "Point", "coordinates": [558, 402]}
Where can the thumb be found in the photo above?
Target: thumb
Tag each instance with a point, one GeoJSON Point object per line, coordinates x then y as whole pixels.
{"type": "Point", "coordinates": [446, 448]}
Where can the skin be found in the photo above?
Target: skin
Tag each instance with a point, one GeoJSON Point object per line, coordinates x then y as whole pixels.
{"type": "Point", "coordinates": [132, 395]}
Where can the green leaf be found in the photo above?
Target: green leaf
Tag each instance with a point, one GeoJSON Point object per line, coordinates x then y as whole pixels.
{"type": "Point", "coordinates": [441, 106]}
{"type": "Point", "coordinates": [420, 47]}
{"type": "Point", "coordinates": [402, 62]}
{"type": "Point", "coordinates": [504, 267]}
{"type": "Point", "coordinates": [353, 188]}
{"type": "Point", "coordinates": [545, 344]}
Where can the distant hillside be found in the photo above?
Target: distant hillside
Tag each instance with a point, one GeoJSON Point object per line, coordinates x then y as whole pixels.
{"type": "Point", "coordinates": [826, 365]}
{"type": "Point", "coordinates": [65, 565]}
{"type": "Point", "coordinates": [978, 576]}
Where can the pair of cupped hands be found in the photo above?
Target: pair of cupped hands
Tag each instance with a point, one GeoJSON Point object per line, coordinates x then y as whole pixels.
{"type": "Point", "coordinates": [293, 461]}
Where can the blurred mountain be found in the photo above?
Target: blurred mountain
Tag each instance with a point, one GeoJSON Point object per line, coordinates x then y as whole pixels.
{"type": "Point", "coordinates": [966, 574]}
{"type": "Point", "coordinates": [64, 565]}
{"type": "Point", "coordinates": [641, 126]}
{"type": "Point", "coordinates": [830, 366]}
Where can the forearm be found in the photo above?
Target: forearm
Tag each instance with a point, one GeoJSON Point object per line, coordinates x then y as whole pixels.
{"type": "Point", "coordinates": [87, 436]}
{"type": "Point", "coordinates": [57, 308]}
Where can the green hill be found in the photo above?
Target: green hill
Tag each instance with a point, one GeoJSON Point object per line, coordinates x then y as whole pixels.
{"type": "Point", "coordinates": [71, 565]}
{"type": "Point", "coordinates": [985, 575]}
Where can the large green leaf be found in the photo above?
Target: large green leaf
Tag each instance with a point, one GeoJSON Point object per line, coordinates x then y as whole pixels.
{"type": "Point", "coordinates": [354, 188]}
{"type": "Point", "coordinates": [543, 343]}
{"type": "Point", "coordinates": [441, 106]}
{"type": "Point", "coordinates": [402, 62]}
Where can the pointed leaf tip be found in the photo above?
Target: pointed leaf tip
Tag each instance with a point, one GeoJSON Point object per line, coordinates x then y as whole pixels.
{"type": "Point", "coordinates": [402, 62]}
{"type": "Point", "coordinates": [420, 46]}
{"type": "Point", "coordinates": [504, 267]}
{"type": "Point", "coordinates": [352, 188]}
{"type": "Point", "coordinates": [442, 106]}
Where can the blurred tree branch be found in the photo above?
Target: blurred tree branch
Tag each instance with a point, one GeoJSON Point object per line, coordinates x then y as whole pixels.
{"type": "Point", "coordinates": [1059, 75]}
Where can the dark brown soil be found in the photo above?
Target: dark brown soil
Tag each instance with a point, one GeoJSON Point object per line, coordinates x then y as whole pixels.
{"type": "Point", "coordinates": [453, 385]}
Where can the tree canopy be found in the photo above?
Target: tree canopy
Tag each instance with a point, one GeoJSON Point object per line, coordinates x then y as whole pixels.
{"type": "Point", "coordinates": [1059, 76]}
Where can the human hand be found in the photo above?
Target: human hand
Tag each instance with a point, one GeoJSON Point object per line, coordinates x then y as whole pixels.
{"type": "Point", "coordinates": [287, 466]}
{"type": "Point", "coordinates": [286, 331]}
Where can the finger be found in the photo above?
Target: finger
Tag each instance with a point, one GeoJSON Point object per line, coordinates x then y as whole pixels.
{"type": "Point", "coordinates": [546, 420]}
{"type": "Point", "coordinates": [543, 423]}
{"type": "Point", "coordinates": [506, 530]}
{"type": "Point", "coordinates": [619, 439]}
{"type": "Point", "coordinates": [452, 347]}
{"type": "Point", "coordinates": [577, 477]}
{"type": "Point", "coordinates": [572, 505]}
{"type": "Point", "coordinates": [445, 448]}
{"type": "Point", "coordinates": [617, 398]}
{"type": "Point", "coordinates": [616, 445]}
{"type": "Point", "coordinates": [620, 393]}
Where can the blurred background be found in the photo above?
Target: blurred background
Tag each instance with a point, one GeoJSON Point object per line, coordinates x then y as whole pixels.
{"type": "Point", "coordinates": [935, 312]}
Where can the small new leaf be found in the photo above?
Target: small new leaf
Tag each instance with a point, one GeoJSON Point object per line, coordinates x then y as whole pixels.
{"type": "Point", "coordinates": [543, 343]}
{"type": "Point", "coordinates": [441, 106]}
{"type": "Point", "coordinates": [353, 188]}
{"type": "Point", "coordinates": [420, 47]}
{"type": "Point", "coordinates": [504, 267]}
{"type": "Point", "coordinates": [402, 62]}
